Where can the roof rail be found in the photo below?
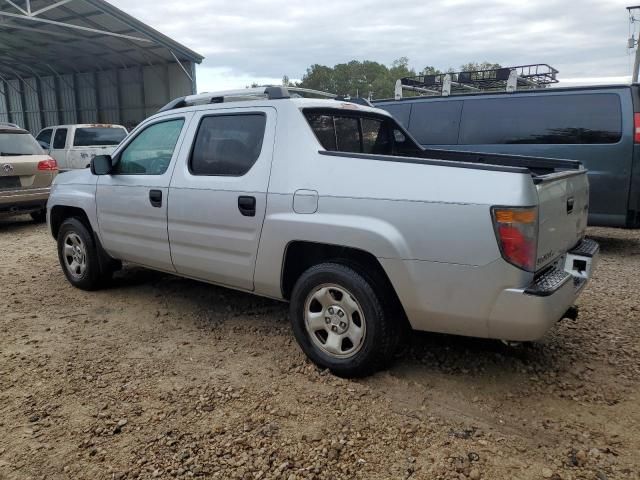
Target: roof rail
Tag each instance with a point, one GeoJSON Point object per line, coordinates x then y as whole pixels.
{"type": "Point", "coordinates": [9, 125]}
{"type": "Point", "coordinates": [508, 79]}
{"type": "Point", "coordinates": [267, 92]}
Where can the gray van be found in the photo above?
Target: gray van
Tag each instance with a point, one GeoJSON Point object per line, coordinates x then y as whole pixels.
{"type": "Point", "coordinates": [596, 125]}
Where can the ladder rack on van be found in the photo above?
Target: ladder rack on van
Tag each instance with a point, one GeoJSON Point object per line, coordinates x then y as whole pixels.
{"type": "Point", "coordinates": [508, 79]}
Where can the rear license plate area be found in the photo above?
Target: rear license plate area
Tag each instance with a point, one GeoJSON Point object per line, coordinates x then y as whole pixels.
{"type": "Point", "coordinates": [9, 183]}
{"type": "Point", "coordinates": [578, 266]}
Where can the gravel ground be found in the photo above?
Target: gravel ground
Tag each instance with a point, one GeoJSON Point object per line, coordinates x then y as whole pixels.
{"type": "Point", "coordinates": [160, 377]}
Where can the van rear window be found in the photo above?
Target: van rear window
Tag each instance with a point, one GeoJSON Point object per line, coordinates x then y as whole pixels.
{"type": "Point", "coordinates": [18, 143]}
{"type": "Point", "coordinates": [98, 136]}
{"type": "Point", "coordinates": [542, 119]}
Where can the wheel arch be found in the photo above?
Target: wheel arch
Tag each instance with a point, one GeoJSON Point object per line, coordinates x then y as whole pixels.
{"type": "Point", "coordinates": [301, 255]}
{"type": "Point", "coordinates": [59, 213]}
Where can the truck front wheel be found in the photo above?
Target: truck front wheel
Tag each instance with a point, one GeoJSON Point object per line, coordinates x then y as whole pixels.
{"type": "Point", "coordinates": [339, 320]}
{"type": "Point", "coordinates": [78, 255]}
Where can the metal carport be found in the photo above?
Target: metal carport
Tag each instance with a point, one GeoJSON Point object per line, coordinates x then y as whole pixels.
{"type": "Point", "coordinates": [85, 61]}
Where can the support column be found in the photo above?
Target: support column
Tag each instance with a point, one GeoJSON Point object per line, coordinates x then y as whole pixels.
{"type": "Point", "coordinates": [43, 119]}
{"type": "Point", "coordinates": [99, 115]}
{"type": "Point", "coordinates": [23, 107]}
{"type": "Point", "coordinates": [57, 84]}
{"type": "Point", "coordinates": [119, 97]}
{"type": "Point", "coordinates": [76, 98]}
{"type": "Point", "coordinates": [4, 86]}
{"type": "Point", "coordinates": [144, 98]}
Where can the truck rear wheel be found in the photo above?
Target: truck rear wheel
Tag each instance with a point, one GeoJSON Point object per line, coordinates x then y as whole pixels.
{"type": "Point", "coordinates": [340, 322]}
{"type": "Point", "coordinates": [79, 257]}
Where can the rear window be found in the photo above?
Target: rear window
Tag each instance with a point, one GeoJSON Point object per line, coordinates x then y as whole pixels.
{"type": "Point", "coordinates": [98, 136]}
{"type": "Point", "coordinates": [18, 144]}
{"type": "Point", "coordinates": [542, 119]}
{"type": "Point", "coordinates": [339, 131]}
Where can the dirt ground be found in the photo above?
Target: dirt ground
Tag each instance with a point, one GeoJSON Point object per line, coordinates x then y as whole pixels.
{"type": "Point", "coordinates": [160, 377]}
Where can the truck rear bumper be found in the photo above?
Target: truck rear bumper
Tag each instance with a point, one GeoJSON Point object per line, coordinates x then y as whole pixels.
{"type": "Point", "coordinates": [523, 314]}
{"type": "Point", "coordinates": [482, 302]}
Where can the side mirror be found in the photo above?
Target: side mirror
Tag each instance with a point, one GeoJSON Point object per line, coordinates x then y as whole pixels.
{"type": "Point", "coordinates": [101, 165]}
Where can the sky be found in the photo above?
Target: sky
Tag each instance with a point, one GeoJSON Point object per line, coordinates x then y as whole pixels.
{"type": "Point", "coordinates": [246, 41]}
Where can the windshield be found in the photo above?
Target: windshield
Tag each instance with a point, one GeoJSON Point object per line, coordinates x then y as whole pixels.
{"type": "Point", "coordinates": [98, 136]}
{"type": "Point", "coordinates": [360, 132]}
{"type": "Point", "coordinates": [18, 143]}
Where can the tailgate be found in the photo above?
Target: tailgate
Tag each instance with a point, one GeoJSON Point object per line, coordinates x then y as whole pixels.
{"type": "Point", "coordinates": [563, 211]}
{"type": "Point", "coordinates": [80, 157]}
{"type": "Point", "coordinates": [19, 172]}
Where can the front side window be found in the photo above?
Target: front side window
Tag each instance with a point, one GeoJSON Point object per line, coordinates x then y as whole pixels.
{"type": "Point", "coordinates": [339, 131]}
{"type": "Point", "coordinates": [150, 152]}
{"type": "Point", "coordinates": [227, 145]}
{"type": "Point", "coordinates": [44, 138]}
{"type": "Point", "coordinates": [98, 136]}
{"type": "Point", "coordinates": [60, 139]}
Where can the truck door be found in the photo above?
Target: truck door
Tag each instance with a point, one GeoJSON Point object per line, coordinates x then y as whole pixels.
{"type": "Point", "coordinates": [59, 148]}
{"type": "Point", "coordinates": [218, 194]}
{"type": "Point", "coordinates": [132, 200]}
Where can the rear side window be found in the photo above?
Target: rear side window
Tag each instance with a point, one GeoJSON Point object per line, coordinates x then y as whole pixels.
{"type": "Point", "coordinates": [98, 136]}
{"type": "Point", "coordinates": [353, 133]}
{"type": "Point", "coordinates": [18, 144]}
{"type": "Point", "coordinates": [60, 138]}
{"type": "Point", "coordinates": [436, 122]}
{"type": "Point", "coordinates": [227, 145]}
{"type": "Point", "coordinates": [348, 134]}
{"type": "Point", "coordinates": [322, 126]}
{"type": "Point", "coordinates": [44, 138]}
{"type": "Point", "coordinates": [542, 119]}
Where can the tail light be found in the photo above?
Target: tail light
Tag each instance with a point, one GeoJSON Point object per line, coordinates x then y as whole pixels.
{"type": "Point", "coordinates": [48, 165]}
{"type": "Point", "coordinates": [517, 233]}
{"type": "Point", "coordinates": [636, 127]}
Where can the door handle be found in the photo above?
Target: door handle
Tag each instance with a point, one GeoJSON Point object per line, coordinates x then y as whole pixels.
{"type": "Point", "coordinates": [155, 197]}
{"type": "Point", "coordinates": [247, 206]}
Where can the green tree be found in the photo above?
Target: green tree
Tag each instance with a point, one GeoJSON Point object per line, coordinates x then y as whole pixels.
{"type": "Point", "coordinates": [429, 70]}
{"type": "Point", "coordinates": [364, 78]}
{"type": "Point", "coordinates": [471, 66]}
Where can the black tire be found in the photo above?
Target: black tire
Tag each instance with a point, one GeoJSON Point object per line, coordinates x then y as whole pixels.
{"type": "Point", "coordinates": [39, 216]}
{"type": "Point", "coordinates": [93, 276]}
{"type": "Point", "coordinates": [377, 346]}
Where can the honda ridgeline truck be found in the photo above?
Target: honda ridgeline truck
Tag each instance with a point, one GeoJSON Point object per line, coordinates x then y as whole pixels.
{"type": "Point", "coordinates": [336, 209]}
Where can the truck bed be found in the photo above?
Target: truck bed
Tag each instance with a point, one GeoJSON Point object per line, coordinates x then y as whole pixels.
{"type": "Point", "coordinates": [539, 167]}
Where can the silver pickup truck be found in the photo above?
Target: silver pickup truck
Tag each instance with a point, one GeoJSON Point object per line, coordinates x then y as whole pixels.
{"type": "Point", "coordinates": [333, 207]}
